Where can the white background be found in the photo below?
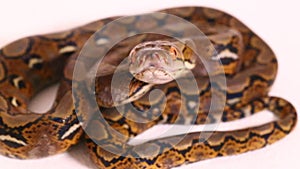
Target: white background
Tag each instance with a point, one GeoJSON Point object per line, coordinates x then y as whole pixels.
{"type": "Point", "coordinates": [277, 22]}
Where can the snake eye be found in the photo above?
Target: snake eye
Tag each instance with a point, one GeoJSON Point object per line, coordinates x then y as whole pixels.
{"type": "Point", "coordinates": [173, 52]}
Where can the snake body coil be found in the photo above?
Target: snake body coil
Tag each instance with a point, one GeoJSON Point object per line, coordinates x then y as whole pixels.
{"type": "Point", "coordinates": [33, 63]}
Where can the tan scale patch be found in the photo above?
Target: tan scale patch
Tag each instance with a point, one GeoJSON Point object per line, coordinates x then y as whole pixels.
{"type": "Point", "coordinates": [147, 23]}
{"type": "Point", "coordinates": [17, 48]}
{"type": "Point", "coordinates": [231, 148]}
{"type": "Point", "coordinates": [235, 85]}
{"type": "Point", "coordinates": [277, 135]}
{"type": "Point", "coordinates": [139, 127]}
{"type": "Point", "coordinates": [240, 135]}
{"type": "Point", "coordinates": [256, 143]}
{"type": "Point", "coordinates": [68, 70]}
{"type": "Point", "coordinates": [238, 25]}
{"type": "Point", "coordinates": [286, 124]}
{"type": "Point", "coordinates": [231, 68]}
{"type": "Point", "coordinates": [122, 129]}
{"type": "Point", "coordinates": [211, 13]}
{"type": "Point", "coordinates": [258, 106]}
{"type": "Point", "coordinates": [65, 106]}
{"type": "Point", "coordinates": [108, 156]}
{"type": "Point", "coordinates": [200, 152]}
{"type": "Point", "coordinates": [257, 90]}
{"type": "Point", "coordinates": [97, 131]}
{"type": "Point", "coordinates": [248, 56]}
{"type": "Point", "coordinates": [159, 16]}
{"type": "Point", "coordinates": [127, 163]}
{"type": "Point", "coordinates": [127, 20]}
{"type": "Point", "coordinates": [184, 143]}
{"type": "Point", "coordinates": [3, 105]}
{"type": "Point", "coordinates": [59, 35]}
{"type": "Point", "coordinates": [170, 159]}
{"type": "Point", "coordinates": [114, 29]}
{"type": "Point", "coordinates": [202, 118]}
{"type": "Point", "coordinates": [282, 102]}
{"type": "Point", "coordinates": [19, 120]}
{"type": "Point", "coordinates": [266, 55]}
{"type": "Point", "coordinates": [147, 150]}
{"type": "Point", "coordinates": [112, 114]}
{"type": "Point", "coordinates": [233, 115]}
{"type": "Point", "coordinates": [183, 12]}
{"type": "Point", "coordinates": [216, 139]}
{"type": "Point", "coordinates": [264, 129]}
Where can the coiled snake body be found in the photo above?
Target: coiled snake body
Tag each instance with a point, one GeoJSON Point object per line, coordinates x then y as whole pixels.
{"type": "Point", "coordinates": [30, 64]}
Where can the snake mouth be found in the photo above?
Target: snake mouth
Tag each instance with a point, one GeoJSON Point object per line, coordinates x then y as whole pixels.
{"type": "Point", "coordinates": [155, 75]}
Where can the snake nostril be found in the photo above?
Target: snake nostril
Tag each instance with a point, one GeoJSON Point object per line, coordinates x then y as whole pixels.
{"type": "Point", "coordinates": [151, 65]}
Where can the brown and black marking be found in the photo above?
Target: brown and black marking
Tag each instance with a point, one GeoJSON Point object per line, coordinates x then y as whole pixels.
{"type": "Point", "coordinates": [30, 64]}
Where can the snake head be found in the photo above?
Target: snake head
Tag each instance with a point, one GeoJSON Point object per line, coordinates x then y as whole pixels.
{"type": "Point", "coordinates": [159, 62]}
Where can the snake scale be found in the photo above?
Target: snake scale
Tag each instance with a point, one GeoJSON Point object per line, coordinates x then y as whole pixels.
{"type": "Point", "coordinates": [30, 64]}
